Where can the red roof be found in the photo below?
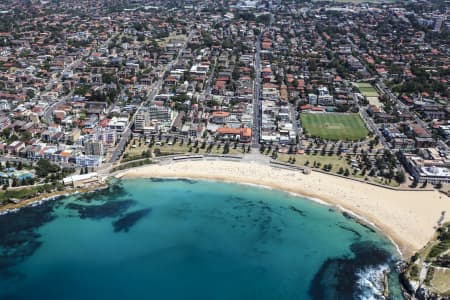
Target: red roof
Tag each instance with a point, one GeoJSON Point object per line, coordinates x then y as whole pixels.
{"type": "Point", "coordinates": [419, 131]}
{"type": "Point", "coordinates": [247, 132]}
{"type": "Point", "coordinates": [220, 85]}
{"type": "Point", "coordinates": [103, 123]}
{"type": "Point", "coordinates": [306, 107]}
{"type": "Point", "coordinates": [220, 114]}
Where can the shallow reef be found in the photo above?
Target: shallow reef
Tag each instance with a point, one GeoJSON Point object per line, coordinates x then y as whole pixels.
{"type": "Point", "coordinates": [130, 219]}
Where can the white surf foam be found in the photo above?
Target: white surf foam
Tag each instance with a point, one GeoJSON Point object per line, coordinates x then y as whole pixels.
{"type": "Point", "coordinates": [371, 282]}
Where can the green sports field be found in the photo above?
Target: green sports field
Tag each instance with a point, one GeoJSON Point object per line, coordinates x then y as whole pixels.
{"type": "Point", "coordinates": [334, 126]}
{"type": "Point", "coordinates": [367, 89]}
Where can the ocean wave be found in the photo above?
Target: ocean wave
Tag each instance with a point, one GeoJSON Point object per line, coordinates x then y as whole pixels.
{"type": "Point", "coordinates": [370, 282]}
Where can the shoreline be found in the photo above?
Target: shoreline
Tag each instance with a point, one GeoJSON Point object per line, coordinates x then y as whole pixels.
{"type": "Point", "coordinates": [357, 218]}
{"type": "Point", "coordinates": [409, 233]}
{"type": "Point", "coordinates": [37, 200]}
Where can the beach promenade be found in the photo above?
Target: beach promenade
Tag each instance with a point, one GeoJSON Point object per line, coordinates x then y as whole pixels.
{"type": "Point", "coordinates": [407, 217]}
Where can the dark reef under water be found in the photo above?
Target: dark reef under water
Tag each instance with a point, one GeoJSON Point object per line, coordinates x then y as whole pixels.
{"type": "Point", "coordinates": [108, 209]}
{"type": "Point", "coordinates": [19, 237]}
{"type": "Point", "coordinates": [338, 277]}
{"type": "Point", "coordinates": [258, 226]}
{"type": "Point", "coordinates": [130, 219]}
{"type": "Point", "coordinates": [19, 231]}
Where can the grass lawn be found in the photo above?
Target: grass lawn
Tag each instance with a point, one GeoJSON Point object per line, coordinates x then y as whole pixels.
{"type": "Point", "coordinates": [334, 126]}
{"type": "Point", "coordinates": [367, 89]}
{"type": "Point", "coordinates": [134, 150]}
{"type": "Point", "coordinates": [17, 193]}
{"type": "Point", "coordinates": [336, 161]}
{"type": "Point", "coordinates": [166, 149]}
{"type": "Point", "coordinates": [163, 42]}
{"type": "Point", "coordinates": [441, 281]}
{"type": "Point", "coordinates": [383, 181]}
{"type": "Point", "coordinates": [363, 1]}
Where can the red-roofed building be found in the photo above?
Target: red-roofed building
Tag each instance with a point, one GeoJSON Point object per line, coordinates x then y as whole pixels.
{"type": "Point", "coordinates": [242, 134]}
{"type": "Point", "coordinates": [220, 117]}
{"type": "Point", "coordinates": [104, 123]}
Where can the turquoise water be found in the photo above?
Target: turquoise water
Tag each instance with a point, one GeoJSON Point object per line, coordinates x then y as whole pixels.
{"type": "Point", "coordinates": [183, 239]}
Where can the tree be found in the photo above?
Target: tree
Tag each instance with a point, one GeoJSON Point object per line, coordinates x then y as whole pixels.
{"type": "Point", "coordinates": [291, 149]}
{"type": "Point", "coordinates": [236, 74]}
{"type": "Point", "coordinates": [347, 172]}
{"type": "Point", "coordinates": [226, 148]}
{"type": "Point", "coordinates": [400, 177]}
{"type": "Point", "coordinates": [44, 167]}
{"type": "Point", "coordinates": [274, 154]}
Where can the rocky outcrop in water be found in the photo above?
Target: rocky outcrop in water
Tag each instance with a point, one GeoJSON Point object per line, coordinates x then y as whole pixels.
{"type": "Point", "coordinates": [360, 277]}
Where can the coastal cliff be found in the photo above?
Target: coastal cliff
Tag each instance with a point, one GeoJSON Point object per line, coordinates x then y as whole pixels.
{"type": "Point", "coordinates": [427, 274]}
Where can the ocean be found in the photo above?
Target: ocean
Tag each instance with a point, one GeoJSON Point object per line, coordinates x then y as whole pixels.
{"type": "Point", "coordinates": [189, 239]}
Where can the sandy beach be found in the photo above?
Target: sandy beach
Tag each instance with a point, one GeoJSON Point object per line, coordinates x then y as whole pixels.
{"type": "Point", "coordinates": [407, 217]}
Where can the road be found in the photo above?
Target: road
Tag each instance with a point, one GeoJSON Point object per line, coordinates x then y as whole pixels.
{"type": "Point", "coordinates": [47, 115]}
{"type": "Point", "coordinates": [209, 81]}
{"type": "Point", "coordinates": [370, 122]}
{"type": "Point", "coordinates": [382, 86]}
{"type": "Point", "coordinates": [257, 118]}
{"type": "Point", "coordinates": [11, 159]}
{"type": "Point", "coordinates": [257, 109]}
{"type": "Point", "coordinates": [294, 118]}
{"type": "Point", "coordinates": [150, 96]}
